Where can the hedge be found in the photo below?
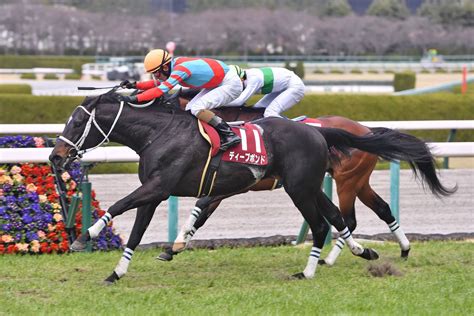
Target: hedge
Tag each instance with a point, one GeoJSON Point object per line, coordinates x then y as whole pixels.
{"type": "Point", "coordinates": [15, 88]}
{"type": "Point", "coordinates": [404, 81]}
{"type": "Point", "coordinates": [32, 61]}
{"type": "Point", "coordinates": [56, 109]}
{"type": "Point", "coordinates": [28, 76]}
{"type": "Point", "coordinates": [50, 77]}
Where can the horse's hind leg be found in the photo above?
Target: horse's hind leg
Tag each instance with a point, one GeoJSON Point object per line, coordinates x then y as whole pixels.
{"type": "Point", "coordinates": [333, 215]}
{"type": "Point", "coordinates": [142, 220]}
{"type": "Point", "coordinates": [370, 198]}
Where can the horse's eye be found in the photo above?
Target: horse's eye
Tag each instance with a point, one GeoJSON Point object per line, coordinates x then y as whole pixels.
{"type": "Point", "coordinates": [76, 123]}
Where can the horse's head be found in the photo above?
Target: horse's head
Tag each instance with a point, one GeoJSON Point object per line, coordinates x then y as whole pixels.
{"type": "Point", "coordinates": [83, 132]}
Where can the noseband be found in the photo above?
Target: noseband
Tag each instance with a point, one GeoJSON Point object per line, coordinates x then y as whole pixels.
{"type": "Point", "coordinates": [78, 145]}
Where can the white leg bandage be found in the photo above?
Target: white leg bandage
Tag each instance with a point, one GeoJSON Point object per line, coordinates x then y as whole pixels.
{"type": "Point", "coordinates": [355, 247]}
{"type": "Point", "coordinates": [312, 264]}
{"type": "Point", "coordinates": [122, 266]}
{"type": "Point", "coordinates": [335, 251]}
{"type": "Point", "coordinates": [95, 229]}
{"type": "Point", "coordinates": [400, 235]}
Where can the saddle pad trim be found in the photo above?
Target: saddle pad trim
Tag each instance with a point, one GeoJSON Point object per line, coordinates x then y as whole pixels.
{"type": "Point", "coordinates": [206, 137]}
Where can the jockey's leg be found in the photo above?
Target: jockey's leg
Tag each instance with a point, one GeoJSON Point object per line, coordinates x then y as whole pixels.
{"type": "Point", "coordinates": [203, 102]}
{"type": "Point", "coordinates": [287, 98]}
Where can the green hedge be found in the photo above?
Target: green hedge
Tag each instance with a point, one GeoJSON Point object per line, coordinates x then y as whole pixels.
{"type": "Point", "coordinates": [50, 77]}
{"type": "Point", "coordinates": [443, 106]}
{"type": "Point", "coordinates": [72, 76]}
{"type": "Point", "coordinates": [32, 61]}
{"type": "Point", "coordinates": [28, 76]}
{"type": "Point", "coordinates": [404, 81]}
{"type": "Point", "coordinates": [15, 88]}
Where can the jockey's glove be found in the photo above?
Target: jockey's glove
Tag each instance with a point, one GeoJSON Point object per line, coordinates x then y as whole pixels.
{"type": "Point", "coordinates": [128, 98]}
{"type": "Point", "coordinates": [128, 84]}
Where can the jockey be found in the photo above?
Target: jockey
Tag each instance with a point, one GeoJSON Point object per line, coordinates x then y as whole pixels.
{"type": "Point", "coordinates": [282, 89]}
{"type": "Point", "coordinates": [220, 85]}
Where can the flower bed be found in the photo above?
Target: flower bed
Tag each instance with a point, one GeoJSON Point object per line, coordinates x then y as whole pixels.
{"type": "Point", "coordinates": [30, 213]}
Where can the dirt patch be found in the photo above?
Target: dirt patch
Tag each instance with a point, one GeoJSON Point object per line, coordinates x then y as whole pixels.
{"type": "Point", "coordinates": [383, 269]}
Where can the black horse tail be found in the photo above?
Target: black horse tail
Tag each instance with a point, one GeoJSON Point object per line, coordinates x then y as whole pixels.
{"type": "Point", "coordinates": [392, 145]}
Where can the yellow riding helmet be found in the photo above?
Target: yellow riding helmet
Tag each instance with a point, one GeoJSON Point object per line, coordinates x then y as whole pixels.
{"type": "Point", "coordinates": [155, 59]}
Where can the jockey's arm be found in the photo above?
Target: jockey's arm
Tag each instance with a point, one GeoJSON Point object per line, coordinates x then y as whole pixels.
{"type": "Point", "coordinates": [177, 76]}
{"type": "Point", "coordinates": [249, 90]}
{"type": "Point", "coordinates": [149, 84]}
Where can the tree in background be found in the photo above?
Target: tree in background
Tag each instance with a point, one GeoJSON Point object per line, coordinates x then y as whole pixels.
{"type": "Point", "coordinates": [449, 11]}
{"type": "Point", "coordinates": [396, 9]}
{"type": "Point", "coordinates": [337, 8]}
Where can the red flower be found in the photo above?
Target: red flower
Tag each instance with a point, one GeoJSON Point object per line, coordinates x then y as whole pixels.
{"type": "Point", "coordinates": [2, 249]}
{"type": "Point", "coordinates": [54, 247]}
{"type": "Point", "coordinates": [52, 236]}
{"type": "Point", "coordinates": [12, 249]}
{"type": "Point", "coordinates": [60, 226]}
{"type": "Point", "coordinates": [64, 245]}
{"type": "Point", "coordinates": [45, 247]}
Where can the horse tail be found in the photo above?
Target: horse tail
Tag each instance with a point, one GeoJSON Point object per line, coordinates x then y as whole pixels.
{"type": "Point", "coordinates": [392, 145]}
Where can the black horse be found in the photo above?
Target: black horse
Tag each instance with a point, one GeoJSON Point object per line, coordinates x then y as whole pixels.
{"type": "Point", "coordinates": [173, 155]}
{"type": "Point", "coordinates": [350, 173]}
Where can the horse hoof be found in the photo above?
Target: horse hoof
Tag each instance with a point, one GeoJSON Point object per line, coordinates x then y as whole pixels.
{"type": "Point", "coordinates": [111, 279]}
{"type": "Point", "coordinates": [298, 276]}
{"type": "Point", "coordinates": [164, 256]}
{"type": "Point", "coordinates": [404, 254]}
{"type": "Point", "coordinates": [369, 254]}
{"type": "Point", "coordinates": [321, 261]}
{"type": "Point", "coordinates": [78, 246]}
{"type": "Point", "coordinates": [178, 247]}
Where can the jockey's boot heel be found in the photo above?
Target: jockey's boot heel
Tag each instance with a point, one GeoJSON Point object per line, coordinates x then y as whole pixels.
{"type": "Point", "coordinates": [228, 137]}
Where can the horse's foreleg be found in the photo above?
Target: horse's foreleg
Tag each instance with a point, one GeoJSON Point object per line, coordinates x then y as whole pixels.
{"type": "Point", "coordinates": [202, 210]}
{"type": "Point", "coordinates": [382, 209]}
{"type": "Point", "coordinates": [149, 192]}
{"type": "Point", "coordinates": [346, 206]}
{"type": "Point", "coordinates": [319, 228]}
{"type": "Point", "coordinates": [142, 220]}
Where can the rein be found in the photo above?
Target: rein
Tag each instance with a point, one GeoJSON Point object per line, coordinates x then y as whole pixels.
{"type": "Point", "coordinates": [78, 145]}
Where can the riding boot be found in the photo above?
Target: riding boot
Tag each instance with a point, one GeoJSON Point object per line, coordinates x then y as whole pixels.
{"type": "Point", "coordinates": [228, 137]}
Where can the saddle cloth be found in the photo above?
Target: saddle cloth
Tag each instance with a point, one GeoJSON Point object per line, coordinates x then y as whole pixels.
{"type": "Point", "coordinates": [309, 121]}
{"type": "Point", "coordinates": [251, 149]}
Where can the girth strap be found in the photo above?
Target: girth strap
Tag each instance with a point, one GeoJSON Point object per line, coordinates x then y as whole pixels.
{"type": "Point", "coordinates": [211, 174]}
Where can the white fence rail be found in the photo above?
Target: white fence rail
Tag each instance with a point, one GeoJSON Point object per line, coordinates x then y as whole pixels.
{"type": "Point", "coordinates": [125, 154]}
{"type": "Point", "coordinates": [401, 125]}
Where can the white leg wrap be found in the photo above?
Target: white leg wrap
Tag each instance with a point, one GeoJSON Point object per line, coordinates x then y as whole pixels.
{"type": "Point", "coordinates": [400, 235]}
{"type": "Point", "coordinates": [312, 264]}
{"type": "Point", "coordinates": [355, 247]}
{"type": "Point", "coordinates": [95, 229]}
{"type": "Point", "coordinates": [335, 251]}
{"type": "Point", "coordinates": [122, 266]}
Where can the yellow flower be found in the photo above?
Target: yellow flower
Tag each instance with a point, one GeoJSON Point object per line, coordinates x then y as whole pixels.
{"type": "Point", "coordinates": [6, 179]}
{"type": "Point", "coordinates": [18, 178]}
{"type": "Point", "coordinates": [35, 246]}
{"type": "Point", "coordinates": [2, 171]}
{"type": "Point", "coordinates": [22, 247]}
{"type": "Point", "coordinates": [57, 217]}
{"type": "Point", "coordinates": [41, 234]}
{"type": "Point", "coordinates": [51, 228]}
{"type": "Point", "coordinates": [31, 187]}
{"type": "Point", "coordinates": [43, 198]}
{"type": "Point", "coordinates": [7, 238]}
{"type": "Point", "coordinates": [15, 170]}
{"type": "Point", "coordinates": [56, 206]}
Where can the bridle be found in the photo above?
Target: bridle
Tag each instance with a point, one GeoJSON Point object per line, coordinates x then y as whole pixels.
{"type": "Point", "coordinates": [78, 144]}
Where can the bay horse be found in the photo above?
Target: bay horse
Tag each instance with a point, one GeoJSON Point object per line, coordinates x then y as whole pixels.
{"type": "Point", "coordinates": [351, 174]}
{"type": "Point", "coordinates": [173, 155]}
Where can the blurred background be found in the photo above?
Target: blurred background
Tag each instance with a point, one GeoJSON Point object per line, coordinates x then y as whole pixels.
{"type": "Point", "coordinates": [336, 46]}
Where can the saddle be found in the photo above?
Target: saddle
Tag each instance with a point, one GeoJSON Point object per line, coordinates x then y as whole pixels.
{"type": "Point", "coordinates": [251, 150]}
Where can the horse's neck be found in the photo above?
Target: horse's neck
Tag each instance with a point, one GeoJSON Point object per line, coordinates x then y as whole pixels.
{"type": "Point", "coordinates": [137, 127]}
